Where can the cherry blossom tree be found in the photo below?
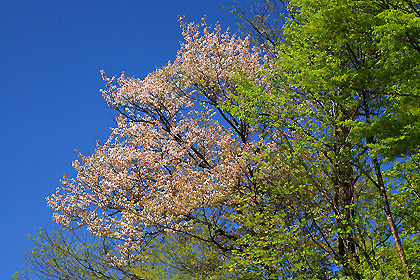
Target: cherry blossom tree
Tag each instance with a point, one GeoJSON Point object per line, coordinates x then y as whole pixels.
{"type": "Point", "coordinates": [175, 159]}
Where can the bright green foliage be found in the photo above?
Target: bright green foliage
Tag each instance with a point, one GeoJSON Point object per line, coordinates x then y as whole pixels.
{"type": "Point", "coordinates": [396, 72]}
{"type": "Point", "coordinates": [405, 175]}
{"type": "Point", "coordinates": [342, 98]}
{"type": "Point", "coordinates": [179, 256]}
{"type": "Point", "coordinates": [279, 216]}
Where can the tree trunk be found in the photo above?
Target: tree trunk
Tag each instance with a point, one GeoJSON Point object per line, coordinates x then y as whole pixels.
{"type": "Point", "coordinates": [392, 227]}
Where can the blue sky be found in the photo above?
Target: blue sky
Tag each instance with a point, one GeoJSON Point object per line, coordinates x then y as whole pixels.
{"type": "Point", "coordinates": [51, 53]}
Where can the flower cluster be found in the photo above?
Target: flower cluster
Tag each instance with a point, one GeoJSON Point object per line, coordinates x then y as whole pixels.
{"type": "Point", "coordinates": [169, 162]}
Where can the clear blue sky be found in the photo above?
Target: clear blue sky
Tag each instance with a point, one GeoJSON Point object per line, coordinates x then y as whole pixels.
{"type": "Point", "coordinates": [51, 53]}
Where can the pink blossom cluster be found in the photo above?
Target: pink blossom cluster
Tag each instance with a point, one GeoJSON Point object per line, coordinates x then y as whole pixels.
{"type": "Point", "coordinates": [169, 162]}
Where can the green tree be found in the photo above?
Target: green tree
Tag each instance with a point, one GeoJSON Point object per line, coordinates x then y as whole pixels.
{"type": "Point", "coordinates": [344, 100]}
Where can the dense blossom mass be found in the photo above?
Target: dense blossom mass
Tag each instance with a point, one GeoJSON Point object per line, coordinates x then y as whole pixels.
{"type": "Point", "coordinates": [170, 162]}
